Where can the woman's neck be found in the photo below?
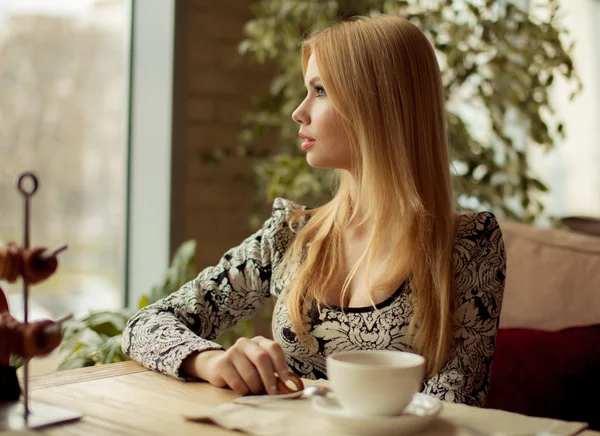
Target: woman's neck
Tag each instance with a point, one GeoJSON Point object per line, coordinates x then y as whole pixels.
{"type": "Point", "coordinates": [360, 227]}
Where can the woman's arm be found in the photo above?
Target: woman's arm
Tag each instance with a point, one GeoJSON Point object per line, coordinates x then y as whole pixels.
{"type": "Point", "coordinates": [162, 335]}
{"type": "Point", "coordinates": [479, 282]}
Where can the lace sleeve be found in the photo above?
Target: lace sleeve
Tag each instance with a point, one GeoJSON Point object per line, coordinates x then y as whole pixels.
{"type": "Point", "coordinates": [163, 334]}
{"type": "Point", "coordinates": [479, 280]}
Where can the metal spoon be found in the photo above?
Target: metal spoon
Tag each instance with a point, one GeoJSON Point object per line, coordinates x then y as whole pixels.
{"type": "Point", "coordinates": [310, 391]}
{"type": "Point", "coordinates": [316, 391]}
{"type": "Point", "coordinates": [475, 432]}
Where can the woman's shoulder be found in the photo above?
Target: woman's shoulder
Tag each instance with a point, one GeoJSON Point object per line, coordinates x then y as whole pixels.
{"type": "Point", "coordinates": [474, 225]}
{"type": "Point", "coordinates": [479, 255]}
{"type": "Point", "coordinates": [475, 229]}
{"type": "Point", "coordinates": [285, 210]}
{"type": "Point", "coordinates": [286, 219]}
{"type": "Point", "coordinates": [280, 230]}
{"type": "Point", "coordinates": [285, 206]}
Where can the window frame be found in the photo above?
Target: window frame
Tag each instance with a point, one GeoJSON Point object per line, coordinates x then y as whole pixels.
{"type": "Point", "coordinates": [150, 122]}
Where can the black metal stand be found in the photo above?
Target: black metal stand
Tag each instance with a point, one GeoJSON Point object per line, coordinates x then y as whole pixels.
{"type": "Point", "coordinates": [15, 414]}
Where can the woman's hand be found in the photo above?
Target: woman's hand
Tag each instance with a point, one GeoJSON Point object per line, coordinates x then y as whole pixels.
{"type": "Point", "coordinates": [248, 367]}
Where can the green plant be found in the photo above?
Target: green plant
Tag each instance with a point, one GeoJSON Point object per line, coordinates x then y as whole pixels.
{"type": "Point", "coordinates": [496, 59]}
{"type": "Point", "coordinates": [16, 361]}
{"type": "Point", "coordinates": [96, 338]}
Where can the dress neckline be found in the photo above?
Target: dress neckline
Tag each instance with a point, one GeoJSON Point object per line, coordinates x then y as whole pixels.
{"type": "Point", "coordinates": [371, 308]}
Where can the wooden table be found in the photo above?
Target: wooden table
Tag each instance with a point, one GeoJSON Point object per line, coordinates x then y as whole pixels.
{"type": "Point", "coordinates": [127, 399]}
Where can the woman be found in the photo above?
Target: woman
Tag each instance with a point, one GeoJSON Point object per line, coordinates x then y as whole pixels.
{"type": "Point", "coordinates": [386, 264]}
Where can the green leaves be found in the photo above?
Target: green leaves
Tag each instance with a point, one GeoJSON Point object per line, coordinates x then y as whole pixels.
{"type": "Point", "coordinates": [105, 323]}
{"type": "Point", "coordinates": [495, 58]}
{"type": "Point", "coordinates": [181, 271]}
{"type": "Point", "coordinates": [16, 361]}
{"type": "Point", "coordinates": [92, 349]}
{"type": "Point", "coordinates": [95, 339]}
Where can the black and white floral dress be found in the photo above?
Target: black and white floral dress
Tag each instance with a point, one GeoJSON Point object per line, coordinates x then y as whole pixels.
{"type": "Point", "coordinates": [163, 334]}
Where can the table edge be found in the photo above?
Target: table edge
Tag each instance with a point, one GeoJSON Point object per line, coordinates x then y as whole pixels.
{"type": "Point", "coordinates": [70, 376]}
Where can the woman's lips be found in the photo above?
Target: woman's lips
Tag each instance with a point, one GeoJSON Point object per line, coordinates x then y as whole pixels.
{"type": "Point", "coordinates": [308, 141]}
{"type": "Point", "coordinates": [307, 144]}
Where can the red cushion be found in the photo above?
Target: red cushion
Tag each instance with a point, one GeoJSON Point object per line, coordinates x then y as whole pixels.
{"type": "Point", "coordinates": [549, 374]}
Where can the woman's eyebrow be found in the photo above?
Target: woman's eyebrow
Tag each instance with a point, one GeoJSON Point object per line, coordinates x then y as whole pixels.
{"type": "Point", "coordinates": [313, 81]}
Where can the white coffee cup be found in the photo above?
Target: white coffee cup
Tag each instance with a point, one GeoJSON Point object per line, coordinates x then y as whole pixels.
{"type": "Point", "coordinates": [375, 383]}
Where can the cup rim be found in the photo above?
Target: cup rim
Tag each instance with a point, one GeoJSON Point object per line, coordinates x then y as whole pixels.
{"type": "Point", "coordinates": [417, 362]}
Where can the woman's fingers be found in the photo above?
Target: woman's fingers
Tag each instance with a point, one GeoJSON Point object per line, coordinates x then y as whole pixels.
{"type": "Point", "coordinates": [248, 372]}
{"type": "Point", "coordinates": [254, 363]}
{"type": "Point", "coordinates": [229, 373]}
{"type": "Point", "coordinates": [263, 362]}
{"type": "Point", "coordinates": [277, 356]}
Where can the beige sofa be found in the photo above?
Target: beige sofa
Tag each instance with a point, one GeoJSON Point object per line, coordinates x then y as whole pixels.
{"type": "Point", "coordinates": [547, 359]}
{"type": "Point", "coordinates": [553, 278]}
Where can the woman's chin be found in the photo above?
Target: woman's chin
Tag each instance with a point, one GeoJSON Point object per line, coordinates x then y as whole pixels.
{"type": "Point", "coordinates": [315, 164]}
{"type": "Point", "coordinates": [315, 161]}
{"type": "Point", "coordinates": [320, 163]}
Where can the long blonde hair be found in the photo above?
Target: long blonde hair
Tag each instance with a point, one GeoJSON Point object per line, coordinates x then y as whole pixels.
{"type": "Point", "coordinates": [383, 79]}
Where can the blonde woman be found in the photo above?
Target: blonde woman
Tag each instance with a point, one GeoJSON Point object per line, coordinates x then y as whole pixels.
{"type": "Point", "coordinates": [386, 264]}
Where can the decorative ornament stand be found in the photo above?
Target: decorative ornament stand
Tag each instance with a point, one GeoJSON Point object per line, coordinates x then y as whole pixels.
{"type": "Point", "coordinates": [27, 340]}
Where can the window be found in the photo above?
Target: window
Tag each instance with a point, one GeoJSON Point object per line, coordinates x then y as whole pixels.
{"type": "Point", "coordinates": [63, 115]}
{"type": "Point", "coordinates": [572, 168]}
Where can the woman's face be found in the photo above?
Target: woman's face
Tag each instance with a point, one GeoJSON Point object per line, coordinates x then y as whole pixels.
{"type": "Point", "coordinates": [325, 141]}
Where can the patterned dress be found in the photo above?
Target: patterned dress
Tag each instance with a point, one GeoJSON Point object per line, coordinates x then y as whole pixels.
{"type": "Point", "coordinates": [162, 335]}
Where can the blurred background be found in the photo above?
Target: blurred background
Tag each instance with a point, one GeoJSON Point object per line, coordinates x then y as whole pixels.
{"type": "Point", "coordinates": [63, 114]}
{"type": "Point", "coordinates": [154, 122]}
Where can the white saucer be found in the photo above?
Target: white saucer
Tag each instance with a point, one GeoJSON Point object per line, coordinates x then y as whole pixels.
{"type": "Point", "coordinates": [421, 411]}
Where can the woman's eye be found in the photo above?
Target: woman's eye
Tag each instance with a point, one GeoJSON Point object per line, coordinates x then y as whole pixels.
{"type": "Point", "coordinates": [320, 91]}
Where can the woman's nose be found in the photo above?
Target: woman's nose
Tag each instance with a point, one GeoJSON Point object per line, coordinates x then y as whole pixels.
{"type": "Point", "coordinates": [300, 116]}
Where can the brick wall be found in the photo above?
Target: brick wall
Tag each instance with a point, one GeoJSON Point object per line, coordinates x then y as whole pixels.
{"type": "Point", "coordinates": [213, 88]}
